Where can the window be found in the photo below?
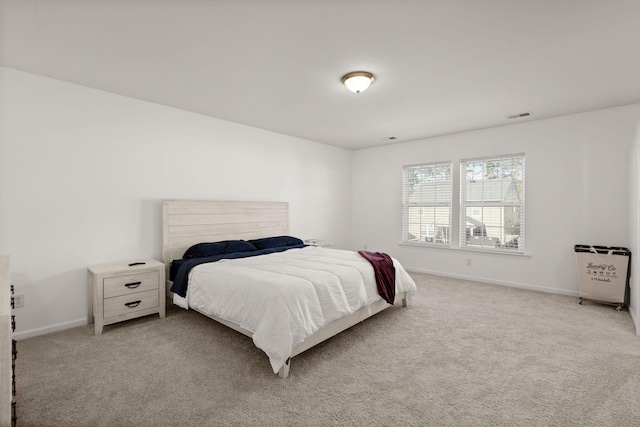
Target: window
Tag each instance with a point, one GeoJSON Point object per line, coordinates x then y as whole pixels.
{"type": "Point", "coordinates": [492, 203]}
{"type": "Point", "coordinates": [426, 201]}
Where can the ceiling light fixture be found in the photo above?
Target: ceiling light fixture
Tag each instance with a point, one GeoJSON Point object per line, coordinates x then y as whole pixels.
{"type": "Point", "coordinates": [358, 81]}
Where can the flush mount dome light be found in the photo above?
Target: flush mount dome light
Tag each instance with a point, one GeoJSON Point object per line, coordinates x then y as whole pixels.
{"type": "Point", "coordinates": [358, 81]}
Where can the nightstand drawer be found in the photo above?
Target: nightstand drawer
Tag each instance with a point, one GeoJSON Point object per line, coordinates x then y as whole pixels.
{"type": "Point", "coordinates": [129, 284]}
{"type": "Point", "coordinates": [126, 304]}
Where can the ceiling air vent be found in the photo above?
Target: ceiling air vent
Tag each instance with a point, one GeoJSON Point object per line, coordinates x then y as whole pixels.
{"type": "Point", "coordinates": [519, 116]}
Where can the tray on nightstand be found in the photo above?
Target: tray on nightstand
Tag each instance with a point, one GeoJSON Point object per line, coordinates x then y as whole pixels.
{"type": "Point", "coordinates": [318, 243]}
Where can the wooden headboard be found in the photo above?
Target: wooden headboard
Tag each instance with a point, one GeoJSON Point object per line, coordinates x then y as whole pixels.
{"type": "Point", "coordinates": [187, 222]}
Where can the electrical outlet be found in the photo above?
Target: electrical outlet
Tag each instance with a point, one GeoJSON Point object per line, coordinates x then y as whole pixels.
{"type": "Point", "coordinates": [468, 262]}
{"type": "Point", "coordinates": [18, 300]}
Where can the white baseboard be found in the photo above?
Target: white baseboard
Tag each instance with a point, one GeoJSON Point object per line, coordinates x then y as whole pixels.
{"type": "Point", "coordinates": [21, 335]}
{"type": "Point", "coordinates": [634, 319]}
{"type": "Point", "coordinates": [498, 282]}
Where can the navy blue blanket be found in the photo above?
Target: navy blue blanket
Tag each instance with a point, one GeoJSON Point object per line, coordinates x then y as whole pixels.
{"type": "Point", "coordinates": [179, 271]}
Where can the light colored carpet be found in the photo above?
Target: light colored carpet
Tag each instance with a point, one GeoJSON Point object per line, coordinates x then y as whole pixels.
{"type": "Point", "coordinates": [461, 354]}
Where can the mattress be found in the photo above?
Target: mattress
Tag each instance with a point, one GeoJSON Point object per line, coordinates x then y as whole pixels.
{"type": "Point", "coordinates": [283, 298]}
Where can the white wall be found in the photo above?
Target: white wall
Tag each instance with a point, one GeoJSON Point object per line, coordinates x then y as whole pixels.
{"type": "Point", "coordinates": [83, 173]}
{"type": "Point", "coordinates": [634, 230]}
{"type": "Point", "coordinates": [577, 192]}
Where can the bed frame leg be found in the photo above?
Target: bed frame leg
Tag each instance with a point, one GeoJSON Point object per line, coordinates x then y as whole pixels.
{"type": "Point", "coordinates": [284, 371]}
{"type": "Point", "coordinates": [404, 299]}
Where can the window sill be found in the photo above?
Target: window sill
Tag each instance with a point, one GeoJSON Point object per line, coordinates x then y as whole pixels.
{"type": "Point", "coordinates": [465, 249]}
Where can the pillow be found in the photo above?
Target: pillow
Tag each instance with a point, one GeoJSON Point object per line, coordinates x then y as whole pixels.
{"type": "Point", "coordinates": [275, 242]}
{"type": "Point", "coordinates": [238, 246]}
{"type": "Point", "coordinates": [201, 250]}
{"type": "Point", "coordinates": [205, 249]}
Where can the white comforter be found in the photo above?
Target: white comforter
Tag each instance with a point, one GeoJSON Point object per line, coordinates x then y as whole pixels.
{"type": "Point", "coordinates": [283, 298]}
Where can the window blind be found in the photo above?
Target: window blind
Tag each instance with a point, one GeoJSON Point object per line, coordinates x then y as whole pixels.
{"type": "Point", "coordinates": [426, 201]}
{"type": "Point", "coordinates": [492, 203]}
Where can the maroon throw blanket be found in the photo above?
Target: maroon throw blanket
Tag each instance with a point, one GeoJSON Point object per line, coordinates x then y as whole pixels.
{"type": "Point", "coordinates": [385, 274]}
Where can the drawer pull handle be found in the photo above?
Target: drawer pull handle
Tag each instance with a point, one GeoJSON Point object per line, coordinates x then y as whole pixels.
{"type": "Point", "coordinates": [136, 263]}
{"type": "Point", "coordinates": [133, 285]}
{"type": "Point", "coordinates": [133, 304]}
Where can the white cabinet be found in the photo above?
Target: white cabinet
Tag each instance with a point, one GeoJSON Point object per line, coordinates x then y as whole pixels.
{"type": "Point", "coordinates": [126, 290]}
{"type": "Point", "coordinates": [7, 355]}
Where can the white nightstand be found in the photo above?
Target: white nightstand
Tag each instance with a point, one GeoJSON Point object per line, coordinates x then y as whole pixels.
{"type": "Point", "coordinates": [318, 243]}
{"type": "Point", "coordinates": [126, 290]}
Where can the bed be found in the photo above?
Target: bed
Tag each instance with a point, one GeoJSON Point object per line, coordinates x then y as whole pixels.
{"type": "Point", "coordinates": [288, 298]}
